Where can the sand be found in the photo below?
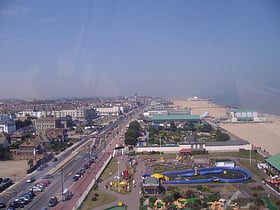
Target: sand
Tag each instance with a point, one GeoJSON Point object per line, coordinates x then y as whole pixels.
{"type": "Point", "coordinates": [13, 169]}
{"type": "Point", "coordinates": [265, 135]}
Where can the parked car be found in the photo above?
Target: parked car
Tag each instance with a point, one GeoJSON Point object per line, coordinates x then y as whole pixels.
{"type": "Point", "coordinates": [2, 205]}
{"type": "Point", "coordinates": [36, 189]}
{"type": "Point", "coordinates": [16, 204]}
{"type": "Point", "coordinates": [52, 202]}
{"type": "Point", "coordinates": [75, 178]}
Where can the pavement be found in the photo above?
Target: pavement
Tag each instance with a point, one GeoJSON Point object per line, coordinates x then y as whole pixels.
{"type": "Point", "coordinates": [131, 200]}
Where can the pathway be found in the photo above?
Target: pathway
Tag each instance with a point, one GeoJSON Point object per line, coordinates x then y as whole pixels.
{"type": "Point", "coordinates": [132, 200]}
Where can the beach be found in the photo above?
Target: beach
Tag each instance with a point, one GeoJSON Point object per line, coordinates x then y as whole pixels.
{"type": "Point", "coordinates": [265, 135]}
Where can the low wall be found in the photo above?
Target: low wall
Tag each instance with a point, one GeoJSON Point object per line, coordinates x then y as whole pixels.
{"type": "Point", "coordinates": [176, 149]}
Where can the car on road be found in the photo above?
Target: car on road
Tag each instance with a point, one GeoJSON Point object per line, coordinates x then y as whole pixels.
{"type": "Point", "coordinates": [52, 202]}
{"type": "Point", "coordinates": [54, 159]}
{"type": "Point", "coordinates": [40, 168]}
{"type": "Point", "coordinates": [2, 205]}
{"type": "Point", "coordinates": [47, 176]}
{"type": "Point", "coordinates": [75, 178]}
{"type": "Point", "coordinates": [30, 179]}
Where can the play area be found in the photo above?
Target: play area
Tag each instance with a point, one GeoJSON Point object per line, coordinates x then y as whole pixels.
{"type": "Point", "coordinates": [187, 170]}
{"type": "Point", "coordinates": [203, 175]}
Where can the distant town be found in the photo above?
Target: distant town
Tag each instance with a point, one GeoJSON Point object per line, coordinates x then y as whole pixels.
{"type": "Point", "coordinates": [133, 153]}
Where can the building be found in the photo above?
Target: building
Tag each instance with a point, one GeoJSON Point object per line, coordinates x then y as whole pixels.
{"type": "Point", "coordinates": [56, 134]}
{"type": "Point", "coordinates": [80, 114]}
{"type": "Point", "coordinates": [150, 185]}
{"type": "Point", "coordinates": [225, 163]}
{"type": "Point", "coordinates": [241, 115]}
{"type": "Point", "coordinates": [273, 163]}
{"type": "Point", "coordinates": [7, 126]}
{"type": "Point", "coordinates": [30, 113]}
{"type": "Point", "coordinates": [44, 123]}
{"type": "Point", "coordinates": [109, 111]}
{"type": "Point", "coordinates": [152, 113]}
{"type": "Point", "coordinates": [160, 120]}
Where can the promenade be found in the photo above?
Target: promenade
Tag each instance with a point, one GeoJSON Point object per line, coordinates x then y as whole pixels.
{"type": "Point", "coordinates": [132, 200]}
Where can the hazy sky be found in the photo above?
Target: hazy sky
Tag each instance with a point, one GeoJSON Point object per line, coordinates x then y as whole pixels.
{"type": "Point", "coordinates": [154, 48]}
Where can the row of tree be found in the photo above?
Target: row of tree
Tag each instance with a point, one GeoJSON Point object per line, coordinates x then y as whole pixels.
{"type": "Point", "coordinates": [133, 133]}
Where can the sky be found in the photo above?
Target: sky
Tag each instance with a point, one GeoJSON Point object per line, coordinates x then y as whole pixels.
{"type": "Point", "coordinates": [220, 48]}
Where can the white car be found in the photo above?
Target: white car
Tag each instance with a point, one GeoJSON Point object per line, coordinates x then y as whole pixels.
{"type": "Point", "coordinates": [36, 189]}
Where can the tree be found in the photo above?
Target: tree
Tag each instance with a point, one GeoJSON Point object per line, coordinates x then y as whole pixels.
{"type": "Point", "coordinates": [220, 136]}
{"type": "Point", "coordinates": [135, 126]}
{"type": "Point", "coordinates": [4, 153]}
{"type": "Point", "coordinates": [130, 141]}
{"type": "Point", "coordinates": [30, 163]}
{"type": "Point", "coordinates": [21, 124]}
{"type": "Point", "coordinates": [131, 133]}
{"type": "Point", "coordinates": [173, 127]}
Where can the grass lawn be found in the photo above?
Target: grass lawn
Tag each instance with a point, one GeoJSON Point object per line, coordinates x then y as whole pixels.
{"type": "Point", "coordinates": [241, 154]}
{"type": "Point", "coordinates": [110, 169]}
{"type": "Point", "coordinates": [102, 199]}
{"type": "Point", "coordinates": [251, 167]}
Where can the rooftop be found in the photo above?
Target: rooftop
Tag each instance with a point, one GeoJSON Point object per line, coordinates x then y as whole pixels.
{"type": "Point", "coordinates": [176, 117]}
{"type": "Point", "coordinates": [274, 161]}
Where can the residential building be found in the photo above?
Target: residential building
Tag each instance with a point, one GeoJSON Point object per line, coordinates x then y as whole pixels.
{"type": "Point", "coordinates": [113, 111]}
{"type": "Point", "coordinates": [44, 123]}
{"type": "Point", "coordinates": [56, 134]}
{"type": "Point", "coordinates": [7, 126]}
{"type": "Point", "coordinates": [80, 114]}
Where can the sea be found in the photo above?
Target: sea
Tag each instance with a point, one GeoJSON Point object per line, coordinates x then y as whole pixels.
{"type": "Point", "coordinates": [267, 103]}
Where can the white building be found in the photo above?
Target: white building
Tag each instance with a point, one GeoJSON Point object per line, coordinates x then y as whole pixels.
{"type": "Point", "coordinates": [30, 113]}
{"type": "Point", "coordinates": [114, 110]}
{"type": "Point", "coordinates": [239, 115]}
{"type": "Point", "coordinates": [7, 127]}
{"type": "Point", "coordinates": [153, 113]}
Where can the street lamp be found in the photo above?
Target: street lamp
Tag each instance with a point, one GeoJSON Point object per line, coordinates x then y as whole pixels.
{"type": "Point", "coordinates": [62, 183]}
{"type": "Point", "coordinates": [160, 146]}
{"type": "Point", "coordinates": [118, 176]}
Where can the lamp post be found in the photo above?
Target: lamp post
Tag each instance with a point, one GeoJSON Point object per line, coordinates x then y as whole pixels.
{"type": "Point", "coordinates": [251, 154]}
{"type": "Point", "coordinates": [160, 146]}
{"type": "Point", "coordinates": [62, 183]}
{"type": "Point", "coordinates": [118, 176]}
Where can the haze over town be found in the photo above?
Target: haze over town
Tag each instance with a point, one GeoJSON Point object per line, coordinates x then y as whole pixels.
{"type": "Point", "coordinates": [227, 50]}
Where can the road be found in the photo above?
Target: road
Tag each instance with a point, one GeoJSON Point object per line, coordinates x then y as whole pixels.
{"type": "Point", "coordinates": [69, 162]}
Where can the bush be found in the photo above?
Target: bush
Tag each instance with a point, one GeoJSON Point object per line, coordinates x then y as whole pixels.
{"type": "Point", "coordinates": [94, 198]}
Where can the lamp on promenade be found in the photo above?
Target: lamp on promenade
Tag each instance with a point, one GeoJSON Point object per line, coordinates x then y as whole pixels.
{"type": "Point", "coordinates": [118, 176]}
{"type": "Point", "coordinates": [62, 183]}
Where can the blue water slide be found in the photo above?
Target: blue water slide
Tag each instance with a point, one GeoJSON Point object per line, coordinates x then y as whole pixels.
{"type": "Point", "coordinates": [205, 171]}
